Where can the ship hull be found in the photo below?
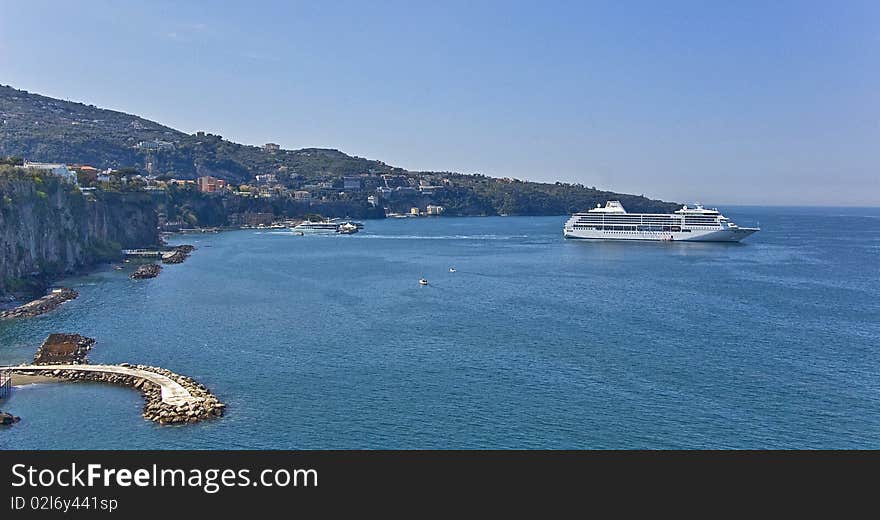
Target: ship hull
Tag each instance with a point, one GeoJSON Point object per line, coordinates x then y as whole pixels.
{"type": "Point", "coordinates": [686, 225]}
{"type": "Point", "coordinates": [714, 235]}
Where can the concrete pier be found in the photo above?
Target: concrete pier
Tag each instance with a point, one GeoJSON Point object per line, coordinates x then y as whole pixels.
{"type": "Point", "coordinates": [172, 391]}
{"type": "Point", "coordinates": [5, 382]}
{"type": "Point", "coordinates": [170, 398]}
{"type": "Point", "coordinates": [142, 253]}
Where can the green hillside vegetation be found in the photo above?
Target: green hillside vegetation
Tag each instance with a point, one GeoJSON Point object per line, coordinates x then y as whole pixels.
{"type": "Point", "coordinates": [40, 128]}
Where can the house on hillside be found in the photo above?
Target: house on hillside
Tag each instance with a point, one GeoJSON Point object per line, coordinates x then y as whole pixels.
{"type": "Point", "coordinates": [154, 145]}
{"type": "Point", "coordinates": [208, 184]}
{"type": "Point", "coordinates": [60, 170]}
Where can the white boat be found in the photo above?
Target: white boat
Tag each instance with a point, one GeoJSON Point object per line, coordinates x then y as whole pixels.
{"type": "Point", "coordinates": [612, 222]}
{"type": "Point", "coordinates": [329, 226]}
{"type": "Point", "coordinates": [324, 226]}
{"type": "Point", "coordinates": [347, 228]}
{"type": "Point", "coordinates": [451, 269]}
{"type": "Point", "coordinates": [423, 281]}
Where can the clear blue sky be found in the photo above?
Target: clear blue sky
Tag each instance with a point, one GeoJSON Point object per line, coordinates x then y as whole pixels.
{"type": "Point", "coordinates": [725, 102]}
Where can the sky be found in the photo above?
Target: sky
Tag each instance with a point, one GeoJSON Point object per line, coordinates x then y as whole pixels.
{"type": "Point", "coordinates": [726, 102]}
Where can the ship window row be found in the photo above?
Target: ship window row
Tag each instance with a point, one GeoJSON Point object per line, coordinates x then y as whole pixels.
{"type": "Point", "coordinates": [629, 228]}
{"type": "Point", "coordinates": [670, 222]}
{"type": "Point", "coordinates": [631, 222]}
{"type": "Point", "coordinates": [627, 217]}
{"type": "Point", "coordinates": [653, 219]}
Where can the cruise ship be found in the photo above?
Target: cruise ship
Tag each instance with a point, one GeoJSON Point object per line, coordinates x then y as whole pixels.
{"type": "Point", "coordinates": [696, 224]}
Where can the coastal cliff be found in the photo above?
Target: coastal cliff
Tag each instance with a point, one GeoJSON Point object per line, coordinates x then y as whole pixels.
{"type": "Point", "coordinates": [48, 228]}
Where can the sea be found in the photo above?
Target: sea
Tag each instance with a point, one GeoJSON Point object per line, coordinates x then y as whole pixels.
{"type": "Point", "coordinates": [325, 342]}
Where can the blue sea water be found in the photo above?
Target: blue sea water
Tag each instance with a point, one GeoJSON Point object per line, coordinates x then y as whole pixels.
{"type": "Point", "coordinates": [535, 341]}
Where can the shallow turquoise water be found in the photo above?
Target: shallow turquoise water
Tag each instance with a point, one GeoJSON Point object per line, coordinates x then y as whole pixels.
{"type": "Point", "coordinates": [535, 342]}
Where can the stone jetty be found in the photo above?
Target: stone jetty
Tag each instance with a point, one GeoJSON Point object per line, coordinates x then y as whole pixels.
{"type": "Point", "coordinates": [177, 254]}
{"type": "Point", "coordinates": [42, 305]}
{"type": "Point", "coordinates": [169, 398]}
{"type": "Point", "coordinates": [146, 271]}
{"type": "Point", "coordinates": [7, 418]}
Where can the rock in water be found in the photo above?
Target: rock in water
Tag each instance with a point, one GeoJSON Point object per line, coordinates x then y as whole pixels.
{"type": "Point", "coordinates": [45, 304]}
{"type": "Point", "coordinates": [7, 418]}
{"type": "Point", "coordinates": [146, 271]}
{"type": "Point", "coordinates": [63, 349]}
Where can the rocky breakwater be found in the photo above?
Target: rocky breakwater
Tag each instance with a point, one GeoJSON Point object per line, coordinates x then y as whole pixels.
{"type": "Point", "coordinates": [177, 254]}
{"type": "Point", "coordinates": [41, 305]}
{"type": "Point", "coordinates": [169, 398]}
{"type": "Point", "coordinates": [146, 271]}
{"type": "Point", "coordinates": [204, 405]}
{"type": "Point", "coordinates": [7, 418]}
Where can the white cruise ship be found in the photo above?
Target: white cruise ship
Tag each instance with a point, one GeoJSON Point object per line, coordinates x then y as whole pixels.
{"type": "Point", "coordinates": [696, 224]}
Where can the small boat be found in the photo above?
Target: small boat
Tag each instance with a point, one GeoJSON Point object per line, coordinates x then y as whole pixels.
{"type": "Point", "coordinates": [347, 228]}
{"type": "Point", "coordinates": [451, 269]}
{"type": "Point", "coordinates": [423, 282]}
{"type": "Point", "coordinates": [117, 267]}
{"type": "Point", "coordinates": [298, 233]}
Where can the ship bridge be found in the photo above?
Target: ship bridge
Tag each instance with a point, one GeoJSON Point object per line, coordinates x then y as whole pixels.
{"type": "Point", "coordinates": [612, 206]}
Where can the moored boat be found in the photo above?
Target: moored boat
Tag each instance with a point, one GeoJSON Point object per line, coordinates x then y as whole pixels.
{"type": "Point", "coordinates": [324, 226]}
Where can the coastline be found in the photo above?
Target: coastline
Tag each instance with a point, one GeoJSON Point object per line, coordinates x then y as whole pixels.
{"type": "Point", "coordinates": [14, 302]}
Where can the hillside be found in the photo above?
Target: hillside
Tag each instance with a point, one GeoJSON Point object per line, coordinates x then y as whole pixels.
{"type": "Point", "coordinates": [41, 128]}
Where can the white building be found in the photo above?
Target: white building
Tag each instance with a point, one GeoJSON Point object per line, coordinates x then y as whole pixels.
{"type": "Point", "coordinates": [434, 210]}
{"type": "Point", "coordinates": [154, 145]}
{"type": "Point", "coordinates": [60, 170]}
{"type": "Point", "coordinates": [430, 190]}
{"type": "Point", "coordinates": [351, 183]}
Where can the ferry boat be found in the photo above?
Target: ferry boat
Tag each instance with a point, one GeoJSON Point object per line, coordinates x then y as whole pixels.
{"type": "Point", "coordinates": [329, 226]}
{"type": "Point", "coordinates": [325, 226]}
{"type": "Point", "coordinates": [696, 224]}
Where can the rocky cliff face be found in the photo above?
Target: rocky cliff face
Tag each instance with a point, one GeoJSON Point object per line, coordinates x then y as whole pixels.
{"type": "Point", "coordinates": [48, 228]}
